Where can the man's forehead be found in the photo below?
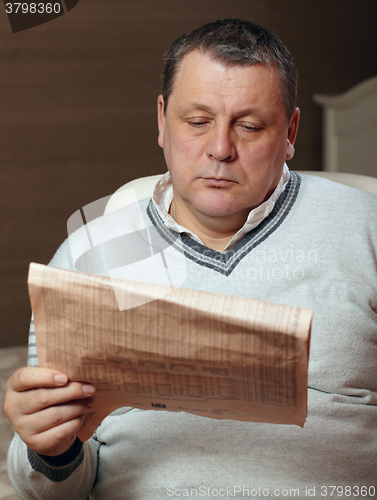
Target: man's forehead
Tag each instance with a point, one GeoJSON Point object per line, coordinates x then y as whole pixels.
{"type": "Point", "coordinates": [199, 68]}
{"type": "Point", "coordinates": [201, 77]}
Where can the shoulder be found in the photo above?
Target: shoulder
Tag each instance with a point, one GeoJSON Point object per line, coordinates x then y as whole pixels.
{"type": "Point", "coordinates": [327, 210]}
{"type": "Point", "coordinates": [339, 199]}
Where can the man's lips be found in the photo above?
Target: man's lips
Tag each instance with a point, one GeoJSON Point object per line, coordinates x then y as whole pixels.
{"type": "Point", "coordinates": [218, 182]}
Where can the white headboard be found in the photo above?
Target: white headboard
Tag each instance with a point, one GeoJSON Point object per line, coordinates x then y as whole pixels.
{"type": "Point", "coordinates": [350, 129]}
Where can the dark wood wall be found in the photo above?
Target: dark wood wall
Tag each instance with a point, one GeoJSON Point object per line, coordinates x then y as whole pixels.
{"type": "Point", "coordinates": [78, 104]}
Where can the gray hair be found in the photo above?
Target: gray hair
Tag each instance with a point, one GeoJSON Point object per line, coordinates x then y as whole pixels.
{"type": "Point", "coordinates": [235, 42]}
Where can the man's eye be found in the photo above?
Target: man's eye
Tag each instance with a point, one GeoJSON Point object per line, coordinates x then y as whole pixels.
{"type": "Point", "coordinates": [198, 124]}
{"type": "Point", "coordinates": [249, 128]}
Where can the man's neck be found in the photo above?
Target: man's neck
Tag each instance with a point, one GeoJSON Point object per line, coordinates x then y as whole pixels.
{"type": "Point", "coordinates": [214, 233]}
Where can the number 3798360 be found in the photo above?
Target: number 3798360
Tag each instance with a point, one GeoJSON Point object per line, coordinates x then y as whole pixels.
{"type": "Point", "coordinates": [348, 491]}
{"type": "Point", "coordinates": [32, 8]}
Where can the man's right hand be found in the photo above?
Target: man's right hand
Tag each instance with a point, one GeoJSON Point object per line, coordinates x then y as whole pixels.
{"type": "Point", "coordinates": [45, 409]}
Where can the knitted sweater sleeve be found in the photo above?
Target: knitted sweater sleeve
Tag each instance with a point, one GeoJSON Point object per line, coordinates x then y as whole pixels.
{"type": "Point", "coordinates": [34, 478]}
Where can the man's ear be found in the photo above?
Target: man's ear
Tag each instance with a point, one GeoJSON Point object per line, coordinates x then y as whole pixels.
{"type": "Point", "coordinates": [292, 133]}
{"type": "Point", "coordinates": [161, 120]}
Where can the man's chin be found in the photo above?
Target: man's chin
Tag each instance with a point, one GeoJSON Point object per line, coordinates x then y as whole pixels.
{"type": "Point", "coordinates": [222, 211]}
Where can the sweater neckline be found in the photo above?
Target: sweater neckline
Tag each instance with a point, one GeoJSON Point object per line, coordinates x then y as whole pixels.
{"type": "Point", "coordinates": [225, 262]}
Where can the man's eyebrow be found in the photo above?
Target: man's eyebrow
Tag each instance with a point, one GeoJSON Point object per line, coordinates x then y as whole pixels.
{"type": "Point", "coordinates": [193, 106]}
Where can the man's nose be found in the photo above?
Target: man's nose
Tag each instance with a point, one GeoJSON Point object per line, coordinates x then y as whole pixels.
{"type": "Point", "coordinates": [220, 145]}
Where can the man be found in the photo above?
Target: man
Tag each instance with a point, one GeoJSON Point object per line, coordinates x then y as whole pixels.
{"type": "Point", "coordinates": [248, 227]}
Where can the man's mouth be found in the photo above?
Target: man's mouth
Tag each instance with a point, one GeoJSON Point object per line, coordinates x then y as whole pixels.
{"type": "Point", "coordinates": [218, 182]}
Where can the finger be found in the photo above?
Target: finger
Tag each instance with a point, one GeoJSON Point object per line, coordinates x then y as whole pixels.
{"type": "Point", "coordinates": [35, 400]}
{"type": "Point", "coordinates": [56, 440]}
{"type": "Point", "coordinates": [31, 377]}
{"type": "Point", "coordinates": [53, 416]}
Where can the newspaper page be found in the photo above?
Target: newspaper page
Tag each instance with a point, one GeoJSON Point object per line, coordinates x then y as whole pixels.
{"type": "Point", "coordinates": [209, 354]}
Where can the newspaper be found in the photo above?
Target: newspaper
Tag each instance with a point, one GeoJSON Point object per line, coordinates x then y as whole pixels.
{"type": "Point", "coordinates": [212, 355]}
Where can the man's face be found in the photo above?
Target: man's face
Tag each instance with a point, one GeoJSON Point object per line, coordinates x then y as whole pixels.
{"type": "Point", "coordinates": [225, 136]}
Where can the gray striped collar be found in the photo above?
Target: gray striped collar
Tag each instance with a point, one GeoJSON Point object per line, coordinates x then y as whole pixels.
{"type": "Point", "coordinates": [225, 262]}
